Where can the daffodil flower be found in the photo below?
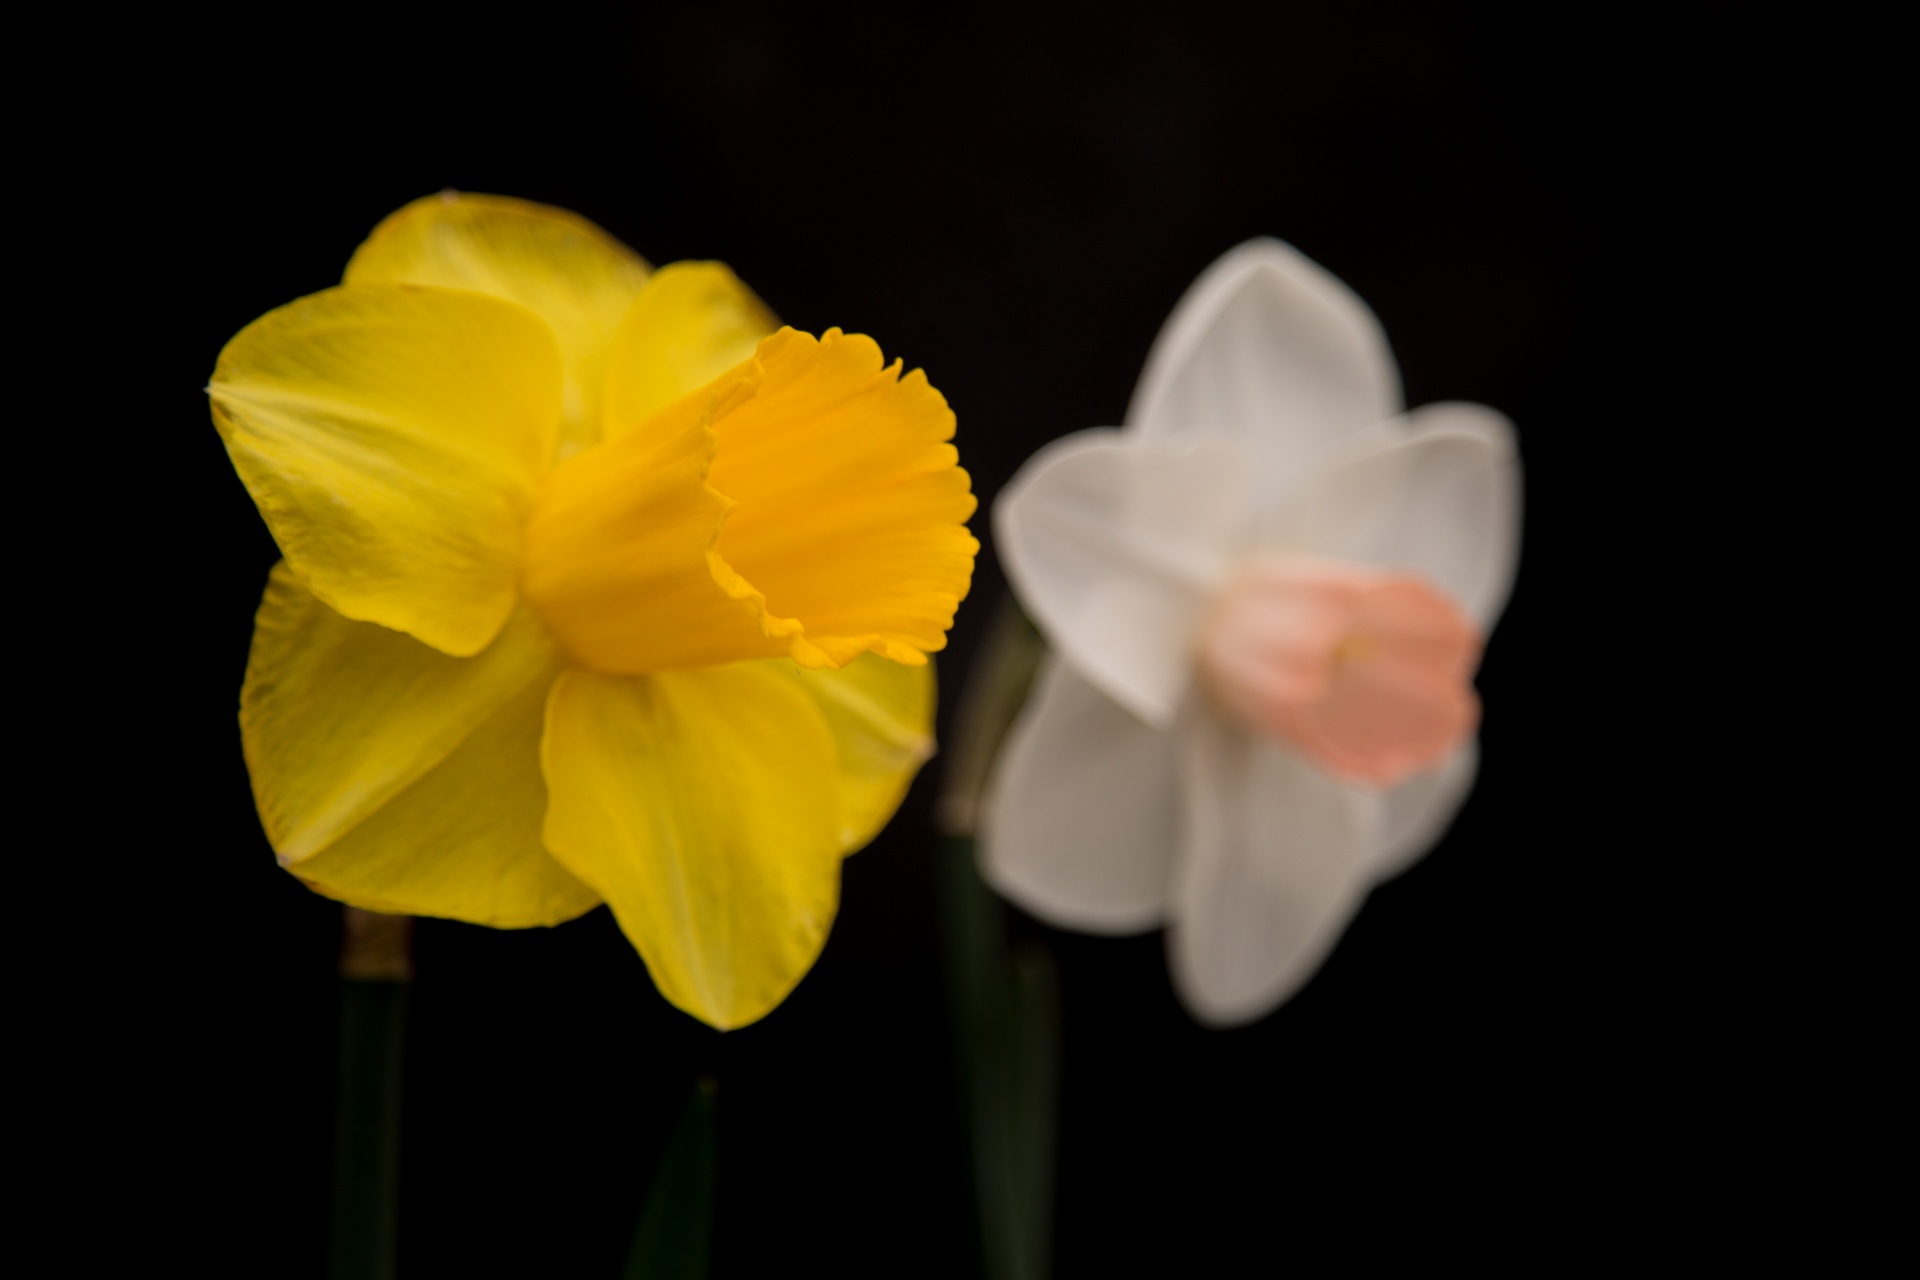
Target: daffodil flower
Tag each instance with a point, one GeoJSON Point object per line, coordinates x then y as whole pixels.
{"type": "Point", "coordinates": [598, 586]}
{"type": "Point", "coordinates": [1265, 600]}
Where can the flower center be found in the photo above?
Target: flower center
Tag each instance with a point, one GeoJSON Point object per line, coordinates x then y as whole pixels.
{"type": "Point", "coordinates": [1368, 673]}
{"type": "Point", "coordinates": [805, 503]}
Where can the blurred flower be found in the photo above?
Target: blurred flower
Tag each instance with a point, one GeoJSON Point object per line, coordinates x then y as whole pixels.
{"type": "Point", "coordinates": [1265, 599]}
{"type": "Point", "coordinates": [596, 588]}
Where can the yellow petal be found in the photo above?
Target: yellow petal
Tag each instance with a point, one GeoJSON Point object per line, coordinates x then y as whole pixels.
{"type": "Point", "coordinates": [881, 716]}
{"type": "Point", "coordinates": [701, 805]}
{"type": "Point", "coordinates": [464, 841]}
{"type": "Point", "coordinates": [572, 274]}
{"type": "Point", "coordinates": [805, 503]}
{"type": "Point", "coordinates": [692, 323]}
{"type": "Point", "coordinates": [393, 438]}
{"type": "Point", "coordinates": [396, 778]}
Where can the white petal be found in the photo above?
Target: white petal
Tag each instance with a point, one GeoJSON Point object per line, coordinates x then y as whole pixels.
{"type": "Point", "coordinates": [1273, 352]}
{"type": "Point", "coordinates": [1274, 860]}
{"type": "Point", "coordinates": [1082, 810]}
{"type": "Point", "coordinates": [1417, 812]}
{"type": "Point", "coordinates": [1441, 499]}
{"type": "Point", "coordinates": [1114, 545]}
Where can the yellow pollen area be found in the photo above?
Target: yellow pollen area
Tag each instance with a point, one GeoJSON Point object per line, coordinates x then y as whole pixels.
{"type": "Point", "coordinates": [807, 503]}
{"type": "Point", "coordinates": [1354, 647]}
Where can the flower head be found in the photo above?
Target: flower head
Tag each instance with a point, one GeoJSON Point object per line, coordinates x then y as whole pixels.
{"type": "Point", "coordinates": [1266, 598]}
{"type": "Point", "coordinates": [598, 586]}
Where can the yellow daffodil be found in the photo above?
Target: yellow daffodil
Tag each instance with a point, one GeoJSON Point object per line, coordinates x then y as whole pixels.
{"type": "Point", "coordinates": [598, 586]}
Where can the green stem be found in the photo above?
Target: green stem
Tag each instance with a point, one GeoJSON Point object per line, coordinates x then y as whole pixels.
{"type": "Point", "coordinates": [1005, 1000]}
{"type": "Point", "coordinates": [1006, 1007]}
{"type": "Point", "coordinates": [676, 1228]}
{"type": "Point", "coordinates": [376, 973]}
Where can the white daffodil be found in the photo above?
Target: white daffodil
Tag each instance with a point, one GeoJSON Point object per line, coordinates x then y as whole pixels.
{"type": "Point", "coordinates": [1265, 599]}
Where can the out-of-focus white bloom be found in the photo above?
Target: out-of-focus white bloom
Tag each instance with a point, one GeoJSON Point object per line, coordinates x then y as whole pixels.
{"type": "Point", "coordinates": [1264, 599]}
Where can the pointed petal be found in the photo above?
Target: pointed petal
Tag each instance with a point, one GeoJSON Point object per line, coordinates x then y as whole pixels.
{"type": "Point", "coordinates": [1441, 498]}
{"type": "Point", "coordinates": [393, 777]}
{"type": "Point", "coordinates": [880, 714]}
{"type": "Point", "coordinates": [464, 841]}
{"type": "Point", "coordinates": [1415, 814]}
{"type": "Point", "coordinates": [1114, 545]}
{"type": "Point", "coordinates": [1081, 814]}
{"type": "Point", "coordinates": [692, 323]}
{"type": "Point", "coordinates": [1273, 864]}
{"type": "Point", "coordinates": [560, 266]}
{"type": "Point", "coordinates": [701, 805]}
{"type": "Point", "coordinates": [1274, 353]}
{"type": "Point", "coordinates": [393, 438]}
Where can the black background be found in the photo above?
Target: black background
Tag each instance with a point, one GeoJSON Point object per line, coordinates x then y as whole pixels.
{"type": "Point", "coordinates": [1545, 214]}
